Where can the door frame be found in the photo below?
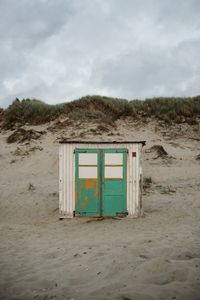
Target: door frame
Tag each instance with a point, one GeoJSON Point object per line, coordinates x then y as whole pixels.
{"type": "Point", "coordinates": [100, 172]}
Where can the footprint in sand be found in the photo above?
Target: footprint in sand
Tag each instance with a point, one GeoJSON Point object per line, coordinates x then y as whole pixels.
{"type": "Point", "coordinates": [168, 277]}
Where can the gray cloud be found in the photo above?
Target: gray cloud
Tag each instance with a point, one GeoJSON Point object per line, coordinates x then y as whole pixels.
{"type": "Point", "coordinates": [60, 50]}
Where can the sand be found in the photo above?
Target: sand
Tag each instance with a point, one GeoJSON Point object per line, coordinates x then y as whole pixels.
{"type": "Point", "coordinates": [153, 257]}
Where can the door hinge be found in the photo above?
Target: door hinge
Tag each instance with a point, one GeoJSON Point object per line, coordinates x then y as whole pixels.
{"type": "Point", "coordinates": [122, 213]}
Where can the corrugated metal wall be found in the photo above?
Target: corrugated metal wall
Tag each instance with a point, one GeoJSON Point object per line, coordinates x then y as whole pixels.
{"type": "Point", "coordinates": [67, 176]}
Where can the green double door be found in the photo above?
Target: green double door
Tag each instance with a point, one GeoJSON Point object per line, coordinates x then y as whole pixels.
{"type": "Point", "coordinates": [101, 182]}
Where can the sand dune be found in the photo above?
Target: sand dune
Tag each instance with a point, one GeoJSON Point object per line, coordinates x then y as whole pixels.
{"type": "Point", "coordinates": [154, 257]}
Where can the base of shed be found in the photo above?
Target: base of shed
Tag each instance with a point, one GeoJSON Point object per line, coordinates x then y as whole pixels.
{"type": "Point", "coordinates": [65, 215]}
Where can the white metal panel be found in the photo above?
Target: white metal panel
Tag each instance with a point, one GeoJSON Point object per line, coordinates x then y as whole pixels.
{"type": "Point", "coordinates": [67, 186]}
{"type": "Point", "coordinates": [87, 172]}
{"type": "Point", "coordinates": [137, 181]}
{"type": "Point", "coordinates": [134, 164]}
{"type": "Point", "coordinates": [70, 174]}
{"type": "Point", "coordinates": [113, 158]}
{"type": "Point", "coordinates": [87, 158]}
{"type": "Point", "coordinates": [131, 181]}
{"type": "Point", "coordinates": [65, 180]}
{"type": "Point", "coordinates": [113, 172]}
{"type": "Point", "coordinates": [140, 180]}
{"type": "Point", "coordinates": [61, 167]}
{"type": "Point", "coordinates": [73, 199]}
{"type": "Point", "coordinates": [128, 180]}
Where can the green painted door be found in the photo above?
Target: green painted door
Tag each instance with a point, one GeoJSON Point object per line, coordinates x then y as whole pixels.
{"type": "Point", "coordinates": [114, 182]}
{"type": "Point", "coordinates": [100, 182]}
{"type": "Point", "coordinates": [87, 182]}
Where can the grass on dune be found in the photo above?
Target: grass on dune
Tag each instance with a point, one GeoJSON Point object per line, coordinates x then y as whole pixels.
{"type": "Point", "coordinates": [169, 110]}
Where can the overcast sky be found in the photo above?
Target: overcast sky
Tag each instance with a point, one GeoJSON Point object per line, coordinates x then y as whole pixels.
{"type": "Point", "coordinates": [59, 50]}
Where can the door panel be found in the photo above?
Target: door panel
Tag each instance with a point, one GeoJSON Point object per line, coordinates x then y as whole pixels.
{"type": "Point", "coordinates": [113, 158]}
{"type": "Point", "coordinates": [87, 183]}
{"type": "Point", "coordinates": [112, 205]}
{"type": "Point", "coordinates": [88, 159]}
{"type": "Point", "coordinates": [111, 172]}
{"type": "Point", "coordinates": [88, 172]}
{"type": "Point", "coordinates": [100, 182]}
{"type": "Point", "coordinates": [111, 186]}
{"type": "Point", "coordinates": [114, 182]}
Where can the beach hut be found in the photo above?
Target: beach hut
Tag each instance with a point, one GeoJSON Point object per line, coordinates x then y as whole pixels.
{"type": "Point", "coordinates": [100, 178]}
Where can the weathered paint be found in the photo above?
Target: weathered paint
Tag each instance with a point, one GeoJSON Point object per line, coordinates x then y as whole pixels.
{"type": "Point", "coordinates": [114, 188]}
{"type": "Point", "coordinates": [87, 188]}
{"type": "Point", "coordinates": [106, 195]}
{"type": "Point", "coordinates": [67, 191]}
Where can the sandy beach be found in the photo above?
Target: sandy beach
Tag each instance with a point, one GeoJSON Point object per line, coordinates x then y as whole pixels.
{"type": "Point", "coordinates": [153, 257]}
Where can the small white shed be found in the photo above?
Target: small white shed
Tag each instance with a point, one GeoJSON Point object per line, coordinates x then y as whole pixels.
{"type": "Point", "coordinates": [98, 178]}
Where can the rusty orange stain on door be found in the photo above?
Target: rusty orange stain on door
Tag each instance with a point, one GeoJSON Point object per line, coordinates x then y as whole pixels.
{"type": "Point", "coordinates": [89, 183]}
{"type": "Point", "coordinates": [92, 184]}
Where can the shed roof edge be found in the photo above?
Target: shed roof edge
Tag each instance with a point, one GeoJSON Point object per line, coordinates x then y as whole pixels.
{"type": "Point", "coordinates": [101, 142]}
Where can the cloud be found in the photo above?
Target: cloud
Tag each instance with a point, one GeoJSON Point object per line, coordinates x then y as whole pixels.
{"type": "Point", "coordinates": [60, 50]}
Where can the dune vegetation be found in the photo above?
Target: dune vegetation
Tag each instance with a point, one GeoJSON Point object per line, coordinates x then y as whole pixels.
{"type": "Point", "coordinates": [169, 110]}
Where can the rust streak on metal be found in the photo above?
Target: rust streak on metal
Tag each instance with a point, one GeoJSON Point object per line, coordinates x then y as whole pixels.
{"type": "Point", "coordinates": [92, 184]}
{"type": "Point", "coordinates": [89, 183]}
